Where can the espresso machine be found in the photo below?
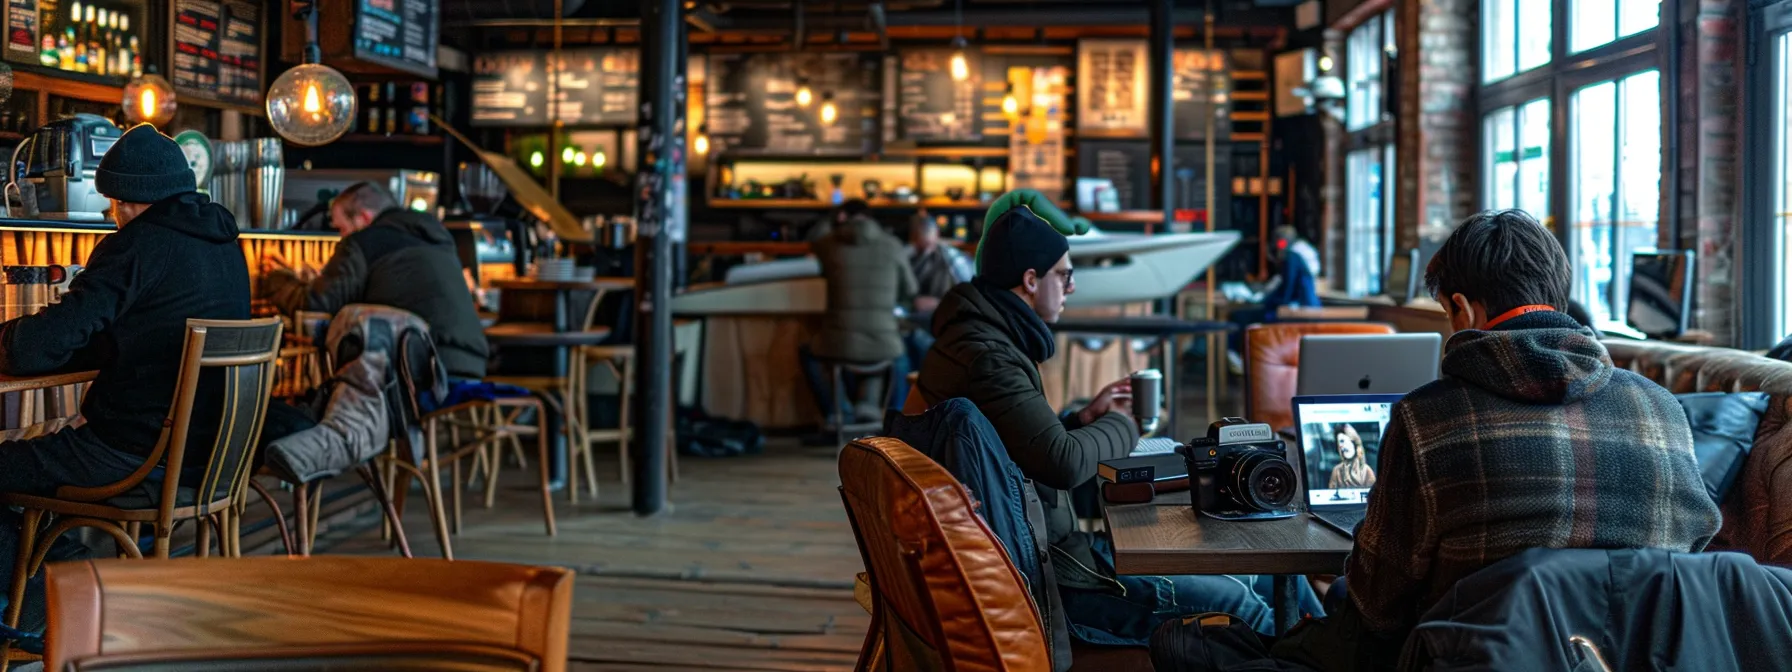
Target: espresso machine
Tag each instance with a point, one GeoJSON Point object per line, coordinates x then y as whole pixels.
{"type": "Point", "coordinates": [51, 175]}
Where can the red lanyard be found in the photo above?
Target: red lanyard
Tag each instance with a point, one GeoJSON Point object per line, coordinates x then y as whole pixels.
{"type": "Point", "coordinates": [1515, 312]}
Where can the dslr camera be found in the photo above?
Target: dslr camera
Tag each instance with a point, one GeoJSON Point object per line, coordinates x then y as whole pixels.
{"type": "Point", "coordinates": [1240, 471]}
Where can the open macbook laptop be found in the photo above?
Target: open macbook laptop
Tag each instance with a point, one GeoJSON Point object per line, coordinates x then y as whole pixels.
{"type": "Point", "coordinates": [1340, 440]}
{"type": "Point", "coordinates": [1367, 363]}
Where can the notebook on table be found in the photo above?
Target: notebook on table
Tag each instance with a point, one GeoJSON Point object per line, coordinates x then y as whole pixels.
{"type": "Point", "coordinates": [1339, 442]}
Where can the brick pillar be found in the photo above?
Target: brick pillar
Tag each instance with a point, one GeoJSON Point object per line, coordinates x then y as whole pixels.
{"type": "Point", "coordinates": [1709, 133]}
{"type": "Point", "coordinates": [1437, 133]}
{"type": "Point", "coordinates": [1333, 236]}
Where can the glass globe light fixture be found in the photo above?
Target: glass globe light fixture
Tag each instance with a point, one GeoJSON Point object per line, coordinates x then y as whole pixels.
{"type": "Point", "coordinates": [311, 105]}
{"type": "Point", "coordinates": [149, 99]}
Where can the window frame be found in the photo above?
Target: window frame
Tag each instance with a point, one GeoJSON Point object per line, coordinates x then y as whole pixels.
{"type": "Point", "coordinates": [1557, 80]}
{"type": "Point", "coordinates": [1762, 273]}
{"type": "Point", "coordinates": [1380, 135]}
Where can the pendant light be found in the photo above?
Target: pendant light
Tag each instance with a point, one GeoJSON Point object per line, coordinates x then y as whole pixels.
{"type": "Point", "coordinates": [804, 95]}
{"type": "Point", "coordinates": [828, 111]}
{"type": "Point", "coordinates": [1010, 106]}
{"type": "Point", "coordinates": [701, 144]}
{"type": "Point", "coordinates": [961, 69]}
{"type": "Point", "coordinates": [149, 99]}
{"type": "Point", "coordinates": [311, 104]}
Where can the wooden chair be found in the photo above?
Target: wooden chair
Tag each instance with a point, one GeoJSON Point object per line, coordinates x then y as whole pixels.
{"type": "Point", "coordinates": [932, 562]}
{"type": "Point", "coordinates": [289, 614]}
{"type": "Point", "coordinates": [244, 353]}
{"type": "Point", "coordinates": [565, 394]}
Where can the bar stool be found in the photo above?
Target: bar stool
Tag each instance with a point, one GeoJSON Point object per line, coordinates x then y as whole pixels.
{"type": "Point", "coordinates": [565, 394]}
{"type": "Point", "coordinates": [835, 371]}
{"type": "Point", "coordinates": [620, 359]}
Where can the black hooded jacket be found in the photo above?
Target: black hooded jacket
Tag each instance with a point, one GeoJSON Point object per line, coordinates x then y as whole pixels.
{"type": "Point", "coordinates": [405, 260]}
{"type": "Point", "coordinates": [126, 316]}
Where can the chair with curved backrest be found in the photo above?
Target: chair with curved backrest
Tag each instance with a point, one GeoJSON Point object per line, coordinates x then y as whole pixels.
{"type": "Point", "coordinates": [244, 354]}
{"type": "Point", "coordinates": [945, 595]}
{"type": "Point", "coordinates": [1272, 364]}
{"type": "Point", "coordinates": [307, 614]}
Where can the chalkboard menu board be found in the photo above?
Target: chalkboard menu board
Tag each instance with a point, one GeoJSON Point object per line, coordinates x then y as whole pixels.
{"type": "Point", "coordinates": [217, 50]}
{"type": "Point", "coordinates": [1111, 86]}
{"type": "Point", "coordinates": [594, 87]}
{"type": "Point", "coordinates": [752, 108]}
{"type": "Point", "coordinates": [597, 86]}
{"type": "Point", "coordinates": [934, 107]}
{"type": "Point", "coordinates": [398, 34]}
{"type": "Point", "coordinates": [1126, 162]}
{"type": "Point", "coordinates": [1198, 76]}
{"type": "Point", "coordinates": [510, 88]}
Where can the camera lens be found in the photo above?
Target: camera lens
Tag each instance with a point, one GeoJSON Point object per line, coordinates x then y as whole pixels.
{"type": "Point", "coordinates": [1266, 481]}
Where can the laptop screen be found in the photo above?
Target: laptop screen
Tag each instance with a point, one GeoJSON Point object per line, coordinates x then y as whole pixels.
{"type": "Point", "coordinates": [1340, 439]}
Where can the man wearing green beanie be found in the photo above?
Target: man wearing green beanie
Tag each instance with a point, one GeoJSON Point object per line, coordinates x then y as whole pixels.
{"type": "Point", "coordinates": [992, 335]}
{"type": "Point", "coordinates": [174, 257]}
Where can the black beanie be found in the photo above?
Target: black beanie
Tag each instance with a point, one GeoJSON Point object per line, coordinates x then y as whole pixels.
{"type": "Point", "coordinates": [1017, 242]}
{"type": "Point", "coordinates": [144, 166]}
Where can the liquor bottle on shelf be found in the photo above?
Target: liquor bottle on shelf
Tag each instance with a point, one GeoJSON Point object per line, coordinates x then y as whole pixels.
{"type": "Point", "coordinates": [48, 55]}
{"type": "Point", "coordinates": [391, 109]}
{"type": "Point", "coordinates": [136, 58]}
{"type": "Point", "coordinates": [77, 37]}
{"type": "Point", "coordinates": [96, 35]}
{"type": "Point", "coordinates": [419, 112]}
{"type": "Point", "coordinates": [89, 22]}
{"type": "Point", "coordinates": [123, 40]}
{"type": "Point", "coordinates": [373, 109]}
{"type": "Point", "coordinates": [66, 48]}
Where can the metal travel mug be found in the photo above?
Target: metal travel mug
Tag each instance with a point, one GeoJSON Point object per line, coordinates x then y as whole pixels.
{"type": "Point", "coordinates": [1147, 396]}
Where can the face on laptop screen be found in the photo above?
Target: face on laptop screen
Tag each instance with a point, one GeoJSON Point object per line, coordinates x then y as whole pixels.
{"type": "Point", "coordinates": [1341, 443]}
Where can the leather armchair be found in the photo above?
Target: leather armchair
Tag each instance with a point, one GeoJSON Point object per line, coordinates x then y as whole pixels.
{"type": "Point", "coordinates": [1272, 362]}
{"type": "Point", "coordinates": [261, 614]}
{"type": "Point", "coordinates": [944, 593]}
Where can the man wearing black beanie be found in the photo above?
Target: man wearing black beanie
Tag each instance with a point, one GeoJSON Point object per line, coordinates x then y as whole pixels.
{"type": "Point", "coordinates": [992, 335]}
{"type": "Point", "coordinates": [173, 257]}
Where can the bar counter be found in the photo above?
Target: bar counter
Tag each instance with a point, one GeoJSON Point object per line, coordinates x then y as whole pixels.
{"type": "Point", "coordinates": [45, 242]}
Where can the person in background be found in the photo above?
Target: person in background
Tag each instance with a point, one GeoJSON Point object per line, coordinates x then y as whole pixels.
{"type": "Point", "coordinates": [868, 276]}
{"type": "Point", "coordinates": [395, 257]}
{"type": "Point", "coordinates": [1296, 284]}
{"type": "Point", "coordinates": [938, 267]}
{"type": "Point", "coordinates": [993, 333]}
{"type": "Point", "coordinates": [174, 257]}
{"type": "Point", "coordinates": [1566, 450]}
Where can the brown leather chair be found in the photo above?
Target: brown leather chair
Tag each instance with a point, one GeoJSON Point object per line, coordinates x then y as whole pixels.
{"type": "Point", "coordinates": [1272, 360]}
{"type": "Point", "coordinates": [291, 614]}
{"type": "Point", "coordinates": [914, 404]}
{"type": "Point", "coordinates": [945, 595]}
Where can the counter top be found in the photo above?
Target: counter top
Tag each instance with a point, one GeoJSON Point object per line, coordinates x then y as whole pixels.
{"type": "Point", "coordinates": [71, 226]}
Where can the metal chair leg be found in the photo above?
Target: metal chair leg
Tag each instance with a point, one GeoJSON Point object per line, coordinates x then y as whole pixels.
{"type": "Point", "coordinates": [279, 517]}
{"type": "Point", "coordinates": [378, 484]}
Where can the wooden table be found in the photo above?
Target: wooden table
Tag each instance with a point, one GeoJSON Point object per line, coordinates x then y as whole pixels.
{"type": "Point", "coordinates": [1167, 538]}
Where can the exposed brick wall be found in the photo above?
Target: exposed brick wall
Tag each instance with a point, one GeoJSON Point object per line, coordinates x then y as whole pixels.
{"type": "Point", "coordinates": [1709, 134]}
{"type": "Point", "coordinates": [1332, 221]}
{"type": "Point", "coordinates": [1438, 136]}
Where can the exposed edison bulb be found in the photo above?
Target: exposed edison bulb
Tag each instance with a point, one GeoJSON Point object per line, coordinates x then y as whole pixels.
{"type": "Point", "coordinates": [701, 144]}
{"type": "Point", "coordinates": [804, 96]}
{"type": "Point", "coordinates": [310, 105]}
{"type": "Point", "coordinates": [1325, 64]}
{"type": "Point", "coordinates": [829, 113]}
{"type": "Point", "coordinates": [579, 159]}
{"type": "Point", "coordinates": [536, 159]}
{"type": "Point", "coordinates": [961, 70]}
{"type": "Point", "coordinates": [1010, 106]}
{"type": "Point", "coordinates": [149, 99]}
{"type": "Point", "coordinates": [566, 154]}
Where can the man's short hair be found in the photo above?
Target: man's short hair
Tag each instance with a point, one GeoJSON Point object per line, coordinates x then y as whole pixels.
{"type": "Point", "coordinates": [367, 197]}
{"type": "Point", "coordinates": [1503, 259]}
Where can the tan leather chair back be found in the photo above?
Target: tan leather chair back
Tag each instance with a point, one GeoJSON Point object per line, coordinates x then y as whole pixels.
{"type": "Point", "coordinates": [1272, 364]}
{"type": "Point", "coordinates": [946, 594]}
{"type": "Point", "coordinates": [251, 614]}
{"type": "Point", "coordinates": [914, 404]}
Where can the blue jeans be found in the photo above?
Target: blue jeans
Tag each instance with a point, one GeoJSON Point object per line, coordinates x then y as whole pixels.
{"type": "Point", "coordinates": [1106, 619]}
{"type": "Point", "coordinates": [819, 383]}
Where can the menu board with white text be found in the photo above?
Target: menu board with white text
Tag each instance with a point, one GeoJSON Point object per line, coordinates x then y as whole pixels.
{"type": "Point", "coordinates": [399, 34]}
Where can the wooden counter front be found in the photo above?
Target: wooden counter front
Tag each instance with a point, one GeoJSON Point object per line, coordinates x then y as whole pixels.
{"type": "Point", "coordinates": [35, 242]}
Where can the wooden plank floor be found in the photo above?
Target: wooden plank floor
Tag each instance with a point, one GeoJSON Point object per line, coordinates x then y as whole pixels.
{"type": "Point", "coordinates": [750, 569]}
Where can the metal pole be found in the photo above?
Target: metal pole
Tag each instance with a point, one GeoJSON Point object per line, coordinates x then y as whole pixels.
{"type": "Point", "coordinates": [1215, 342]}
{"type": "Point", "coordinates": [660, 218]}
{"type": "Point", "coordinates": [1163, 160]}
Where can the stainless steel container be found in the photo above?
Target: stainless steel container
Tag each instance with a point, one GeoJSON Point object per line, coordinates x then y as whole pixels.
{"type": "Point", "coordinates": [229, 160]}
{"type": "Point", "coordinates": [1147, 396]}
{"type": "Point", "coordinates": [266, 183]}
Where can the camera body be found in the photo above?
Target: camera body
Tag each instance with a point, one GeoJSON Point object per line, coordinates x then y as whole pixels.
{"type": "Point", "coordinates": [1240, 471]}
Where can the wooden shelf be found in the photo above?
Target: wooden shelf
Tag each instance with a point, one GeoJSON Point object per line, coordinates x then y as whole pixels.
{"type": "Point", "coordinates": [950, 152]}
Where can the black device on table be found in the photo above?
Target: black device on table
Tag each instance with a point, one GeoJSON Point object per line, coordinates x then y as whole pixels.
{"type": "Point", "coordinates": [1240, 471]}
{"type": "Point", "coordinates": [1340, 478]}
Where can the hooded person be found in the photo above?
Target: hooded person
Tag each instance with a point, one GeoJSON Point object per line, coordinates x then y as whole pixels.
{"type": "Point", "coordinates": [173, 258]}
{"type": "Point", "coordinates": [391, 256]}
{"type": "Point", "coordinates": [993, 333]}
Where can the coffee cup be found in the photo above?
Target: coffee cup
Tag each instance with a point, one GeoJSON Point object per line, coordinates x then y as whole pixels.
{"type": "Point", "coordinates": [1147, 396]}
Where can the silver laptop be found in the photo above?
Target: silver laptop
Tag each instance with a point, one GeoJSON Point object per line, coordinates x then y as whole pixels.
{"type": "Point", "coordinates": [1367, 363]}
{"type": "Point", "coordinates": [1340, 441]}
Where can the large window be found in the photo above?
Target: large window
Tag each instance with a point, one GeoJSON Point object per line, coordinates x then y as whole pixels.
{"type": "Point", "coordinates": [1600, 22]}
{"type": "Point", "coordinates": [1514, 37]}
{"type": "Point", "coordinates": [1779, 210]}
{"type": "Point", "coordinates": [1517, 158]}
{"type": "Point", "coordinates": [1616, 186]}
{"type": "Point", "coordinates": [1369, 157]}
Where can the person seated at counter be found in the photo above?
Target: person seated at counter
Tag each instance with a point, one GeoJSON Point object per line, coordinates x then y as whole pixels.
{"type": "Point", "coordinates": [868, 277]}
{"type": "Point", "coordinates": [937, 269]}
{"type": "Point", "coordinates": [1295, 284]}
{"type": "Point", "coordinates": [390, 256]}
{"type": "Point", "coordinates": [1531, 439]}
{"type": "Point", "coordinates": [993, 333]}
{"type": "Point", "coordinates": [174, 257]}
